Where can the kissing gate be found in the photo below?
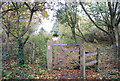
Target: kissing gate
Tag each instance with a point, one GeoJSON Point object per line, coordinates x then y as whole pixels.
{"type": "Point", "coordinates": [77, 55]}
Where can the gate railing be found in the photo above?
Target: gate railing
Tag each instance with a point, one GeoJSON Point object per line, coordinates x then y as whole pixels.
{"type": "Point", "coordinates": [82, 55]}
{"type": "Point", "coordinates": [84, 63]}
{"type": "Point", "coordinates": [50, 55]}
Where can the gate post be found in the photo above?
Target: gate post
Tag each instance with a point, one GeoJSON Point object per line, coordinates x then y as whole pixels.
{"type": "Point", "coordinates": [49, 55]}
{"type": "Point", "coordinates": [80, 50]}
{"type": "Point", "coordinates": [82, 61]}
{"type": "Point", "coordinates": [98, 61]}
{"type": "Point", "coordinates": [55, 56]}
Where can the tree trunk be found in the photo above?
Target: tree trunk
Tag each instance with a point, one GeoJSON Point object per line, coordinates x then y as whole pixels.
{"type": "Point", "coordinates": [21, 44]}
{"type": "Point", "coordinates": [116, 40]}
{"type": "Point", "coordinates": [7, 44]}
{"type": "Point", "coordinates": [81, 34]}
{"type": "Point", "coordinates": [117, 53]}
{"type": "Point", "coordinates": [73, 33]}
{"type": "Point", "coordinates": [20, 53]}
{"type": "Point", "coordinates": [111, 32]}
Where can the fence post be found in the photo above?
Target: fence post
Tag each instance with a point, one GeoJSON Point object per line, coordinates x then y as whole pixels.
{"type": "Point", "coordinates": [98, 61]}
{"type": "Point", "coordinates": [82, 67]}
{"type": "Point", "coordinates": [49, 55]}
{"type": "Point", "coordinates": [55, 56]}
{"type": "Point", "coordinates": [80, 50]}
{"type": "Point", "coordinates": [33, 52]}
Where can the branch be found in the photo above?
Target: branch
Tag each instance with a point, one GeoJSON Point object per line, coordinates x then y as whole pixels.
{"type": "Point", "coordinates": [106, 20]}
{"type": "Point", "coordinates": [4, 12]}
{"type": "Point", "coordinates": [81, 32]}
{"type": "Point", "coordinates": [111, 13]}
{"type": "Point", "coordinates": [115, 12]}
{"type": "Point", "coordinates": [68, 20]}
{"type": "Point", "coordinates": [27, 28]}
{"type": "Point", "coordinates": [28, 6]}
{"type": "Point", "coordinates": [14, 5]}
{"type": "Point", "coordinates": [26, 40]}
{"type": "Point", "coordinates": [118, 21]}
{"type": "Point", "coordinates": [115, 8]}
{"type": "Point", "coordinates": [18, 18]}
{"type": "Point", "coordinates": [92, 19]}
{"type": "Point", "coordinates": [4, 29]}
{"type": "Point", "coordinates": [32, 10]}
{"type": "Point", "coordinates": [68, 16]}
{"type": "Point", "coordinates": [30, 19]}
{"type": "Point", "coordinates": [9, 31]}
{"type": "Point", "coordinates": [17, 29]}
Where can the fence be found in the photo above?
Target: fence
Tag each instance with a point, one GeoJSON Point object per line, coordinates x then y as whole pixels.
{"type": "Point", "coordinates": [84, 63]}
{"type": "Point", "coordinates": [82, 54]}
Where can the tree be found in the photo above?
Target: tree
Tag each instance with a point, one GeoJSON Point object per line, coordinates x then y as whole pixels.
{"type": "Point", "coordinates": [68, 15]}
{"type": "Point", "coordinates": [106, 15]}
{"type": "Point", "coordinates": [17, 19]}
{"type": "Point", "coordinates": [42, 30]}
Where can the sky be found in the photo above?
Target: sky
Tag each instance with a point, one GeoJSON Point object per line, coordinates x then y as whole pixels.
{"type": "Point", "coordinates": [47, 23]}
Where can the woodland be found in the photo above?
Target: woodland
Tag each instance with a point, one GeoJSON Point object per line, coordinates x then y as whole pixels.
{"type": "Point", "coordinates": [24, 45]}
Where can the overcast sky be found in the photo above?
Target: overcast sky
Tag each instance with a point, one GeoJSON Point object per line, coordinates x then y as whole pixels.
{"type": "Point", "coordinates": [47, 23]}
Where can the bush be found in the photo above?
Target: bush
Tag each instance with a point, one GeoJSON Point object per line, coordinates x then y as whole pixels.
{"type": "Point", "coordinates": [40, 42]}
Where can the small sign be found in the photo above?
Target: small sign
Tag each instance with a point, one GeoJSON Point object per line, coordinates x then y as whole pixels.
{"type": "Point", "coordinates": [49, 47]}
{"type": "Point", "coordinates": [49, 42]}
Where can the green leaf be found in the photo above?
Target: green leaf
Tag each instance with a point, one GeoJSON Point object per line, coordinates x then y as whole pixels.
{"type": "Point", "coordinates": [44, 13]}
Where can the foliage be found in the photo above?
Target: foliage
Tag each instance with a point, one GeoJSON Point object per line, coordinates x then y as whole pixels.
{"type": "Point", "coordinates": [67, 41]}
{"type": "Point", "coordinates": [33, 47]}
{"type": "Point", "coordinates": [108, 17]}
{"type": "Point", "coordinates": [17, 18]}
{"type": "Point", "coordinates": [40, 42]}
{"type": "Point", "coordinates": [64, 32]}
{"type": "Point", "coordinates": [105, 16]}
{"type": "Point", "coordinates": [85, 25]}
{"type": "Point", "coordinates": [67, 15]}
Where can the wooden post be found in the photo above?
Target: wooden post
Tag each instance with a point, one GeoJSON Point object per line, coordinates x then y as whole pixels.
{"type": "Point", "coordinates": [49, 55]}
{"type": "Point", "coordinates": [80, 50]}
{"type": "Point", "coordinates": [55, 56]}
{"type": "Point", "coordinates": [98, 61]}
{"type": "Point", "coordinates": [33, 52]}
{"type": "Point", "coordinates": [82, 64]}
